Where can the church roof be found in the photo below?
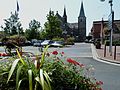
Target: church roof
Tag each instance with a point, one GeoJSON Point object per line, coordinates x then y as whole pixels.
{"type": "Point", "coordinates": [82, 10]}
{"type": "Point", "coordinates": [73, 25]}
{"type": "Point", "coordinates": [58, 15]}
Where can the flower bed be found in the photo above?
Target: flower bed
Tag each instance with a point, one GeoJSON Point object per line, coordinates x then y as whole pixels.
{"type": "Point", "coordinates": [50, 71]}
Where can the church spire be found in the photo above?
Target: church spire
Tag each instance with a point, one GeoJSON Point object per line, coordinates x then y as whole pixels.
{"type": "Point", "coordinates": [65, 15]}
{"type": "Point", "coordinates": [82, 10]}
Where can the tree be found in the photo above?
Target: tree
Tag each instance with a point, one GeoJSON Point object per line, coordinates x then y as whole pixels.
{"type": "Point", "coordinates": [33, 31]}
{"type": "Point", "coordinates": [52, 26]}
{"type": "Point", "coordinates": [12, 25]}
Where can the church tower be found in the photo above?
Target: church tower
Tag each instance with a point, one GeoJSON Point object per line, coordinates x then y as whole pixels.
{"type": "Point", "coordinates": [82, 24]}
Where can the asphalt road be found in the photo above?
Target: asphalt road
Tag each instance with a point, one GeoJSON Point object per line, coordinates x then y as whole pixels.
{"type": "Point", "coordinates": [107, 72]}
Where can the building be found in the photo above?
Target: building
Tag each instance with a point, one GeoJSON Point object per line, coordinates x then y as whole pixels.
{"type": "Point", "coordinates": [78, 29]}
{"type": "Point", "coordinates": [100, 30]}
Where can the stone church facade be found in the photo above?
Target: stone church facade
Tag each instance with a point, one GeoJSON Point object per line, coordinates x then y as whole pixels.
{"type": "Point", "coordinates": [78, 29]}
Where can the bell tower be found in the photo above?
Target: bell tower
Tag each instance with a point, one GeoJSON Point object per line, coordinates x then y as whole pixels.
{"type": "Point", "coordinates": [82, 24]}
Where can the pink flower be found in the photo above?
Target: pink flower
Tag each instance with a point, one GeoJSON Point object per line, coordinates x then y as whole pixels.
{"type": "Point", "coordinates": [55, 52]}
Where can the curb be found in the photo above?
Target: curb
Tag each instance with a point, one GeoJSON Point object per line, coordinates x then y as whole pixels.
{"type": "Point", "coordinates": [95, 55]}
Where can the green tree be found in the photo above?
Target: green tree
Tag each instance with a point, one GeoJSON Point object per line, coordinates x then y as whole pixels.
{"type": "Point", "coordinates": [34, 30]}
{"type": "Point", "coordinates": [12, 25]}
{"type": "Point", "coordinates": [52, 26]}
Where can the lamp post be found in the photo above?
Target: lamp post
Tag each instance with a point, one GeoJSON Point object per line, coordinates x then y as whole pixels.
{"type": "Point", "coordinates": [111, 18]}
{"type": "Point", "coordinates": [110, 24]}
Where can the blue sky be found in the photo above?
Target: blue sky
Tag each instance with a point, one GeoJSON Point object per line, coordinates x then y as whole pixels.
{"type": "Point", "coordinates": [38, 9]}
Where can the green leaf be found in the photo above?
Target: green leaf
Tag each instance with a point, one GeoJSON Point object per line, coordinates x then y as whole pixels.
{"type": "Point", "coordinates": [43, 54]}
{"type": "Point", "coordinates": [45, 84]}
{"type": "Point", "coordinates": [37, 79]}
{"type": "Point", "coordinates": [18, 74]}
{"type": "Point", "coordinates": [12, 69]}
{"type": "Point", "coordinates": [30, 79]}
{"type": "Point", "coordinates": [42, 78]}
{"type": "Point", "coordinates": [48, 79]}
{"type": "Point", "coordinates": [3, 73]}
{"type": "Point", "coordinates": [19, 83]}
{"type": "Point", "coordinates": [20, 57]}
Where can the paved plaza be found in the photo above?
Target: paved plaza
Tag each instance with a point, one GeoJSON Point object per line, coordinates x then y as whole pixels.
{"type": "Point", "coordinates": [108, 57]}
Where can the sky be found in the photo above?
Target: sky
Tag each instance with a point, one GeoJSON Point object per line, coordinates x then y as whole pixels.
{"type": "Point", "coordinates": [94, 10]}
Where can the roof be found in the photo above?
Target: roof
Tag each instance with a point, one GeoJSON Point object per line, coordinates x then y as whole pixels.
{"type": "Point", "coordinates": [73, 25]}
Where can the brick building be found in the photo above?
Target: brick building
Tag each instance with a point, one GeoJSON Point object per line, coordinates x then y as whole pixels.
{"type": "Point", "coordinates": [100, 30]}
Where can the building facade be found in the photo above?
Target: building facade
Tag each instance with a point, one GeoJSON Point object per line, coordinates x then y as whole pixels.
{"type": "Point", "coordinates": [78, 29]}
{"type": "Point", "coordinates": [101, 31]}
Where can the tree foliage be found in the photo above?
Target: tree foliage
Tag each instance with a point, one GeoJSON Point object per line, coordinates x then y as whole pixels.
{"type": "Point", "coordinates": [12, 25]}
{"type": "Point", "coordinates": [34, 30]}
{"type": "Point", "coordinates": [52, 26]}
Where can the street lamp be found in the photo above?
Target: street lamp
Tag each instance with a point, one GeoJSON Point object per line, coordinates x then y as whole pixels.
{"type": "Point", "coordinates": [110, 24]}
{"type": "Point", "coordinates": [111, 18]}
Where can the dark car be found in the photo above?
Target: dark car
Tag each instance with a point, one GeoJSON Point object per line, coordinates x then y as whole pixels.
{"type": "Point", "coordinates": [1, 44]}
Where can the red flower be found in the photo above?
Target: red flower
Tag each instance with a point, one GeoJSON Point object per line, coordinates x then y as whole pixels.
{"type": "Point", "coordinates": [55, 52]}
{"type": "Point", "coordinates": [81, 65]}
{"type": "Point", "coordinates": [72, 61]}
{"type": "Point", "coordinates": [99, 83]}
{"type": "Point", "coordinates": [4, 54]}
{"type": "Point", "coordinates": [62, 53]}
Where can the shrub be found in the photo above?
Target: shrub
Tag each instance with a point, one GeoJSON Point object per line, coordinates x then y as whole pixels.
{"type": "Point", "coordinates": [58, 39]}
{"type": "Point", "coordinates": [115, 42]}
{"type": "Point", "coordinates": [69, 41]}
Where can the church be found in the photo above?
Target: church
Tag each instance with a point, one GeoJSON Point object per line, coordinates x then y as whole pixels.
{"type": "Point", "coordinates": [78, 29]}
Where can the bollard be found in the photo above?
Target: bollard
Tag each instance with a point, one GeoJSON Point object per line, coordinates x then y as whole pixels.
{"type": "Point", "coordinates": [105, 51]}
{"type": "Point", "coordinates": [115, 52]}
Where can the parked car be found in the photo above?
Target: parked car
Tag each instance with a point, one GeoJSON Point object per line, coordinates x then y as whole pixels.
{"type": "Point", "coordinates": [57, 44]}
{"type": "Point", "coordinates": [37, 44]}
{"type": "Point", "coordinates": [45, 42]}
{"type": "Point", "coordinates": [28, 43]}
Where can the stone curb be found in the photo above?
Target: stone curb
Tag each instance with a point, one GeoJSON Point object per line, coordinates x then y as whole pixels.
{"type": "Point", "coordinates": [104, 59]}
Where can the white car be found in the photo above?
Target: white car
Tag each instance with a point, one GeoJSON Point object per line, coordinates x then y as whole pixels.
{"type": "Point", "coordinates": [45, 42]}
{"type": "Point", "coordinates": [57, 44]}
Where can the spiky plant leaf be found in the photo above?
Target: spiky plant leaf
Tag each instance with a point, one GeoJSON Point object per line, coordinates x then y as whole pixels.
{"type": "Point", "coordinates": [18, 75]}
{"type": "Point", "coordinates": [48, 79]}
{"type": "Point", "coordinates": [30, 79]}
{"type": "Point", "coordinates": [12, 69]}
{"type": "Point", "coordinates": [20, 57]}
{"type": "Point", "coordinates": [19, 83]}
{"type": "Point", "coordinates": [43, 55]}
{"type": "Point", "coordinates": [42, 78]}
